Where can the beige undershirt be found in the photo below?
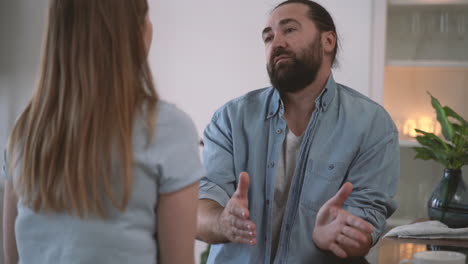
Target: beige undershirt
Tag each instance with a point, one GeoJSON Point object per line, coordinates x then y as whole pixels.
{"type": "Point", "coordinates": [284, 174]}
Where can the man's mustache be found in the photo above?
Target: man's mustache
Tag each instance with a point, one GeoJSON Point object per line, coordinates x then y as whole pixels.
{"type": "Point", "coordinates": [279, 52]}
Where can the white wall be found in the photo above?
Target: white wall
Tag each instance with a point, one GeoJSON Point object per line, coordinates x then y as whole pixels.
{"type": "Point", "coordinates": [21, 27]}
{"type": "Point", "coordinates": [4, 114]}
{"type": "Point", "coordinates": [22, 23]}
{"type": "Point", "coordinates": [207, 52]}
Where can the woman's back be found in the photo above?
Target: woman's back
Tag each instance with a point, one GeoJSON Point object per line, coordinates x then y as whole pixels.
{"type": "Point", "coordinates": [169, 163]}
{"type": "Point", "coordinates": [100, 168]}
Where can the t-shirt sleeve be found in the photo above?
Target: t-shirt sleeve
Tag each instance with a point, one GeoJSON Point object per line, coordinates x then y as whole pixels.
{"type": "Point", "coordinates": [177, 144]}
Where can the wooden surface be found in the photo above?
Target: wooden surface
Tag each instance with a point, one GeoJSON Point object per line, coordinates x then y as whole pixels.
{"type": "Point", "coordinates": [393, 250]}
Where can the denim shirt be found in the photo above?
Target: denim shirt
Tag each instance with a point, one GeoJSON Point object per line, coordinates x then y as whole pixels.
{"type": "Point", "coordinates": [349, 138]}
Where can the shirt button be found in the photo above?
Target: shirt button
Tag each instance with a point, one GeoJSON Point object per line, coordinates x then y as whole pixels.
{"type": "Point", "coordinates": [271, 165]}
{"type": "Point", "coordinates": [279, 131]}
{"type": "Point", "coordinates": [331, 167]}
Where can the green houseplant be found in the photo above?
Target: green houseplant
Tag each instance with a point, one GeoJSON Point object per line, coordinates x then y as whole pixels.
{"type": "Point", "coordinates": [449, 201]}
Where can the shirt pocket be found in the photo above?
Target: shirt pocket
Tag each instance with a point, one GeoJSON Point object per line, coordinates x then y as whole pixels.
{"type": "Point", "coordinates": [322, 180]}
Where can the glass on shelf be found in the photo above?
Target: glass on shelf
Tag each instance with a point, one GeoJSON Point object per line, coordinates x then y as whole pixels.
{"type": "Point", "coordinates": [427, 33]}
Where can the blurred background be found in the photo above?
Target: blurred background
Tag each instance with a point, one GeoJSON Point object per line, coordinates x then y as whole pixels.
{"type": "Point", "coordinates": [207, 52]}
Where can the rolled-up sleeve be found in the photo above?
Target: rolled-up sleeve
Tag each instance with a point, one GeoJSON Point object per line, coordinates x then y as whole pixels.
{"type": "Point", "coordinates": [219, 183]}
{"type": "Point", "coordinates": [374, 174]}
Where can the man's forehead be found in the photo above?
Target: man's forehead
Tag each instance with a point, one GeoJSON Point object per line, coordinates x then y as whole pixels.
{"type": "Point", "coordinates": [295, 11]}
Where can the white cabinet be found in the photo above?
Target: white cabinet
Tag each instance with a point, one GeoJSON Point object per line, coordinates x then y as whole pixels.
{"type": "Point", "coordinates": [424, 48]}
{"type": "Point", "coordinates": [427, 35]}
{"type": "Point", "coordinates": [420, 46]}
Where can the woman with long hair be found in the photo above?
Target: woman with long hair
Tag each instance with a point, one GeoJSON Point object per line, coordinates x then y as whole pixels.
{"type": "Point", "coordinates": [98, 169]}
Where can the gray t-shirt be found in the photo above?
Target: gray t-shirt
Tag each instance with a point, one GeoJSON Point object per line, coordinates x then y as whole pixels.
{"type": "Point", "coordinates": [170, 163]}
{"type": "Point", "coordinates": [284, 174]}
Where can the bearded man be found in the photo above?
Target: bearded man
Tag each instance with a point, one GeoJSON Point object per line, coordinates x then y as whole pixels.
{"type": "Point", "coordinates": [304, 171]}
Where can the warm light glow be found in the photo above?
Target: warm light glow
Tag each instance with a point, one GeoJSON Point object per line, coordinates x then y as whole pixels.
{"type": "Point", "coordinates": [438, 129]}
{"type": "Point", "coordinates": [426, 124]}
{"type": "Point", "coordinates": [409, 127]}
{"type": "Point", "coordinates": [407, 250]}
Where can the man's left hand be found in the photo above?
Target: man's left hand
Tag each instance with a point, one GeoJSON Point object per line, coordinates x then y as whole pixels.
{"type": "Point", "coordinates": [339, 231]}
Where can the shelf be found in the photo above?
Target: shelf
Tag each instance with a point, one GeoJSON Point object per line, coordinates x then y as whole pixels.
{"type": "Point", "coordinates": [408, 143]}
{"type": "Point", "coordinates": [427, 2]}
{"type": "Point", "coordinates": [427, 63]}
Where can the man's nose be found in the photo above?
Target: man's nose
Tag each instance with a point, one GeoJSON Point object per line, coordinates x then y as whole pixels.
{"type": "Point", "coordinates": [278, 42]}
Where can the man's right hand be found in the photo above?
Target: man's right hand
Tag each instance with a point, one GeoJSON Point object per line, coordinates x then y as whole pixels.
{"type": "Point", "coordinates": [234, 220]}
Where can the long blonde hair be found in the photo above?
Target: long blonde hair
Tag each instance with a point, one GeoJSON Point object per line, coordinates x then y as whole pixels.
{"type": "Point", "coordinates": [94, 79]}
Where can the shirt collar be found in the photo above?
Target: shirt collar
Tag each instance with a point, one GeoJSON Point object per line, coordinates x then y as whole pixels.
{"type": "Point", "coordinates": [323, 101]}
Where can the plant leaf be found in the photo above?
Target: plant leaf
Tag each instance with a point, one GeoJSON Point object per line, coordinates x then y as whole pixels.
{"type": "Point", "coordinates": [447, 128]}
{"type": "Point", "coordinates": [433, 149]}
{"type": "Point", "coordinates": [424, 153]}
{"type": "Point", "coordinates": [457, 128]}
{"type": "Point", "coordinates": [451, 113]}
{"type": "Point", "coordinates": [460, 129]}
{"type": "Point", "coordinates": [442, 158]}
{"type": "Point", "coordinates": [456, 159]}
{"type": "Point", "coordinates": [431, 140]}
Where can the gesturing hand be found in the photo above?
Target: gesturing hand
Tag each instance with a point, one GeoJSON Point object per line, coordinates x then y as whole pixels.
{"type": "Point", "coordinates": [234, 220]}
{"type": "Point", "coordinates": [339, 231]}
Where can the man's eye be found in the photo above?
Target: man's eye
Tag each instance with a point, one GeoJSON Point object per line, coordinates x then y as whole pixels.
{"type": "Point", "coordinates": [289, 30]}
{"type": "Point", "coordinates": [267, 39]}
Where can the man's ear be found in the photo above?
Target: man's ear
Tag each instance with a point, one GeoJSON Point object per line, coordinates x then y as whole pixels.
{"type": "Point", "coordinates": [328, 41]}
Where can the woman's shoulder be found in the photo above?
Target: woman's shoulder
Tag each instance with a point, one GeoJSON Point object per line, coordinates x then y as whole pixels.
{"type": "Point", "coordinates": [171, 125]}
{"type": "Point", "coordinates": [170, 118]}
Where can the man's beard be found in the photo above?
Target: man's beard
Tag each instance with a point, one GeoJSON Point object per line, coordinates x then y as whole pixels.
{"type": "Point", "coordinates": [299, 71]}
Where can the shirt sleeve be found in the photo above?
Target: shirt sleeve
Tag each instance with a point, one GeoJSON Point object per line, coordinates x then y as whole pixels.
{"type": "Point", "coordinates": [220, 181]}
{"type": "Point", "coordinates": [177, 144]}
{"type": "Point", "coordinates": [374, 174]}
